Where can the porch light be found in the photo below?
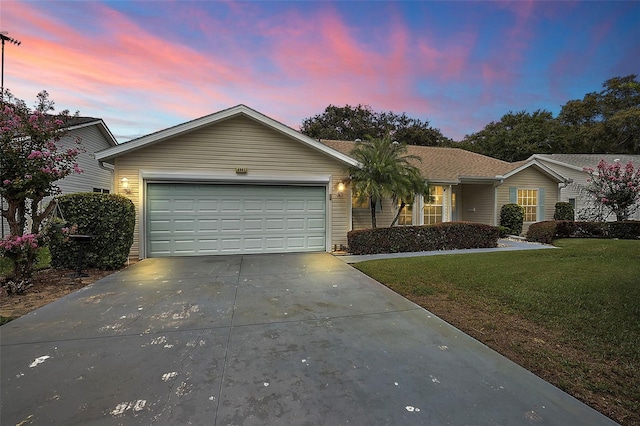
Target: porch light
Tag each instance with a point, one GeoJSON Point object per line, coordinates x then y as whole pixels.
{"type": "Point", "coordinates": [341, 187]}
{"type": "Point", "coordinates": [125, 185]}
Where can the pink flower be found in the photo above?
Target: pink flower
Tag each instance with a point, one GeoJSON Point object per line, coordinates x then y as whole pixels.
{"type": "Point", "coordinates": [34, 154]}
{"type": "Point", "coordinates": [6, 182]}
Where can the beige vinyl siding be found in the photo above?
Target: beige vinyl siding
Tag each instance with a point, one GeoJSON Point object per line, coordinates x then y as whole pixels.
{"type": "Point", "coordinates": [476, 203]}
{"type": "Point", "coordinates": [384, 216]}
{"type": "Point", "coordinates": [237, 142]}
{"type": "Point", "coordinates": [531, 178]}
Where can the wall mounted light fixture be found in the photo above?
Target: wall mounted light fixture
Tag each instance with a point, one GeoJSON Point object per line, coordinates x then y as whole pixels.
{"type": "Point", "coordinates": [125, 185]}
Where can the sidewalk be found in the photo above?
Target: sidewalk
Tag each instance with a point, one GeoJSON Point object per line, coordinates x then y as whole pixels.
{"type": "Point", "coordinates": [503, 245]}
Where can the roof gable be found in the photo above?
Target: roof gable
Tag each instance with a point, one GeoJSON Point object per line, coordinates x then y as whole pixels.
{"type": "Point", "coordinates": [208, 120]}
{"type": "Point", "coordinates": [81, 122]}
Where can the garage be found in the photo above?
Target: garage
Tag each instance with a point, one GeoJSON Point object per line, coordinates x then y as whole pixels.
{"type": "Point", "coordinates": [184, 219]}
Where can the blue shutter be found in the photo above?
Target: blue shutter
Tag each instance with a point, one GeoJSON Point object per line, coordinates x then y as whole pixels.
{"type": "Point", "coordinates": [513, 195]}
{"type": "Point", "coordinates": [540, 212]}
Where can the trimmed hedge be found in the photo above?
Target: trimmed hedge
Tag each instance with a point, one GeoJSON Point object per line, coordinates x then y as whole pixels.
{"type": "Point", "coordinates": [564, 211]}
{"type": "Point", "coordinates": [109, 218]}
{"type": "Point", "coordinates": [442, 236]}
{"type": "Point", "coordinates": [546, 232]}
{"type": "Point", "coordinates": [512, 217]}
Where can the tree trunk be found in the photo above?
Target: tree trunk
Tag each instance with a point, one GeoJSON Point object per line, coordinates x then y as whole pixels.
{"type": "Point", "coordinates": [395, 219]}
{"type": "Point", "coordinates": [15, 216]}
{"type": "Point", "coordinates": [38, 218]}
{"type": "Point", "coordinates": [373, 213]}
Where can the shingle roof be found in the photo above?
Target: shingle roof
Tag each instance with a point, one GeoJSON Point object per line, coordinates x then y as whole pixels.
{"type": "Point", "coordinates": [76, 121]}
{"type": "Point", "coordinates": [446, 164]}
{"type": "Point", "coordinates": [591, 160]}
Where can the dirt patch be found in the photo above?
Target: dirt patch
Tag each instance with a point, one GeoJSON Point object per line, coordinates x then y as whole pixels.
{"type": "Point", "coordinates": [47, 285]}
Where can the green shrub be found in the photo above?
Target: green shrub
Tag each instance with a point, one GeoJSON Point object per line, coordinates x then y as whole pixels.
{"type": "Point", "coordinates": [442, 236]}
{"type": "Point", "coordinates": [542, 232]}
{"type": "Point", "coordinates": [545, 232]}
{"type": "Point", "coordinates": [512, 217]}
{"type": "Point", "coordinates": [625, 230]}
{"type": "Point", "coordinates": [109, 218]}
{"type": "Point", "coordinates": [503, 231]}
{"type": "Point", "coordinates": [564, 211]}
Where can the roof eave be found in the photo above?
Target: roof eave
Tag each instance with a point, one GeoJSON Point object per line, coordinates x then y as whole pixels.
{"type": "Point", "coordinates": [216, 117]}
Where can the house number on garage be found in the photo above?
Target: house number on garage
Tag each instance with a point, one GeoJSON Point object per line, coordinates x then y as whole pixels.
{"type": "Point", "coordinates": [241, 170]}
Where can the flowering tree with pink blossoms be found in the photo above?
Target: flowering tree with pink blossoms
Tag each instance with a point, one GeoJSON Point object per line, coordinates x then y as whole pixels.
{"type": "Point", "coordinates": [31, 161]}
{"type": "Point", "coordinates": [615, 187]}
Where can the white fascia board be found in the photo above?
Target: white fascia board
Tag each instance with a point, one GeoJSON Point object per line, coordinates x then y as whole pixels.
{"type": "Point", "coordinates": [542, 167]}
{"type": "Point", "coordinates": [557, 162]}
{"type": "Point", "coordinates": [190, 177]}
{"type": "Point", "coordinates": [480, 179]}
{"type": "Point", "coordinates": [219, 116]}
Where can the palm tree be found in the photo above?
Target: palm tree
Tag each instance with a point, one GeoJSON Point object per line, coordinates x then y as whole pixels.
{"type": "Point", "coordinates": [384, 172]}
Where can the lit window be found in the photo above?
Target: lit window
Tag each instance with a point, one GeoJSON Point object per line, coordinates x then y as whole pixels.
{"type": "Point", "coordinates": [406, 214]}
{"type": "Point", "coordinates": [433, 206]}
{"type": "Point", "coordinates": [359, 204]}
{"type": "Point", "coordinates": [528, 199]}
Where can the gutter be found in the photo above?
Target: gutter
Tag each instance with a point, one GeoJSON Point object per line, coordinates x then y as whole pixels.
{"type": "Point", "coordinates": [110, 168]}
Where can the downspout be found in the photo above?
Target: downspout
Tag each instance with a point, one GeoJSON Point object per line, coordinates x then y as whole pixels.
{"type": "Point", "coordinates": [495, 200]}
{"type": "Point", "coordinates": [563, 185]}
{"type": "Point", "coordinates": [111, 169]}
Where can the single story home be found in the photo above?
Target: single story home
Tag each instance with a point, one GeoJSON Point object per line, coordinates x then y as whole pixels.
{"type": "Point", "coordinates": [94, 136]}
{"type": "Point", "coordinates": [469, 187]}
{"type": "Point", "coordinates": [237, 181]}
{"type": "Point", "coordinates": [572, 166]}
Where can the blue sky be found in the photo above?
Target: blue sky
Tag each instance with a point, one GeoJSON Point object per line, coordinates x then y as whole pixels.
{"type": "Point", "coordinates": [146, 65]}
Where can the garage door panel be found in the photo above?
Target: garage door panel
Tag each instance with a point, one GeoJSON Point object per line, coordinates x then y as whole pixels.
{"type": "Point", "coordinates": [316, 224]}
{"type": "Point", "coordinates": [225, 219]}
{"type": "Point", "coordinates": [207, 206]}
{"type": "Point", "coordinates": [315, 206]}
{"type": "Point", "coordinates": [274, 206]}
{"type": "Point", "coordinates": [208, 225]}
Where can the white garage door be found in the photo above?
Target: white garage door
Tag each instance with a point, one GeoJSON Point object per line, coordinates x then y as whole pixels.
{"type": "Point", "coordinates": [200, 219]}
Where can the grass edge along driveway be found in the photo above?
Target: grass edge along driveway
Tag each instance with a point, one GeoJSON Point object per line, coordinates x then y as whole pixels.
{"type": "Point", "coordinates": [571, 316]}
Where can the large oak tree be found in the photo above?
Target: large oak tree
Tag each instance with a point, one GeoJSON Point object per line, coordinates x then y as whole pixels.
{"type": "Point", "coordinates": [359, 122]}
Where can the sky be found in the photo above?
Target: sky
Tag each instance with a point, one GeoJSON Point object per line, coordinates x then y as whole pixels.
{"type": "Point", "coordinates": [143, 66]}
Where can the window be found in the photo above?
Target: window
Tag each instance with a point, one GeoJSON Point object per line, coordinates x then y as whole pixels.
{"type": "Point", "coordinates": [528, 198]}
{"type": "Point", "coordinates": [433, 206]}
{"type": "Point", "coordinates": [406, 215]}
{"type": "Point", "coordinates": [101, 190]}
{"type": "Point", "coordinates": [359, 204]}
{"type": "Point", "coordinates": [572, 201]}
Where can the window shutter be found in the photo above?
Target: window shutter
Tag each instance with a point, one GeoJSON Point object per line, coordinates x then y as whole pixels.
{"type": "Point", "coordinates": [540, 212]}
{"type": "Point", "coordinates": [513, 195]}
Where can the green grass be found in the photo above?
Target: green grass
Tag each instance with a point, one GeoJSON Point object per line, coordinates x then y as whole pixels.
{"type": "Point", "coordinates": [43, 261]}
{"type": "Point", "coordinates": [587, 292]}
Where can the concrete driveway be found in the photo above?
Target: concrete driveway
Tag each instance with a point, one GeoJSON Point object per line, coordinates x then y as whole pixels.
{"type": "Point", "coordinates": [296, 339]}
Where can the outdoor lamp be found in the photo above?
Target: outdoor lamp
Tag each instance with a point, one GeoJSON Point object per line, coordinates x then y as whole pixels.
{"type": "Point", "coordinates": [125, 185]}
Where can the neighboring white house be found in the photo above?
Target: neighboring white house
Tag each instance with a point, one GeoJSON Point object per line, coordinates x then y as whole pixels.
{"type": "Point", "coordinates": [572, 166]}
{"type": "Point", "coordinates": [94, 136]}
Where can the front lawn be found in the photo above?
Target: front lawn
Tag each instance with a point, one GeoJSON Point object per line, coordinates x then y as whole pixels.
{"type": "Point", "coordinates": [572, 316]}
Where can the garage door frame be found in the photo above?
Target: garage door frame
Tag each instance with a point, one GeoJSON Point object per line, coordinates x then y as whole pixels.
{"type": "Point", "coordinates": [150, 177]}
